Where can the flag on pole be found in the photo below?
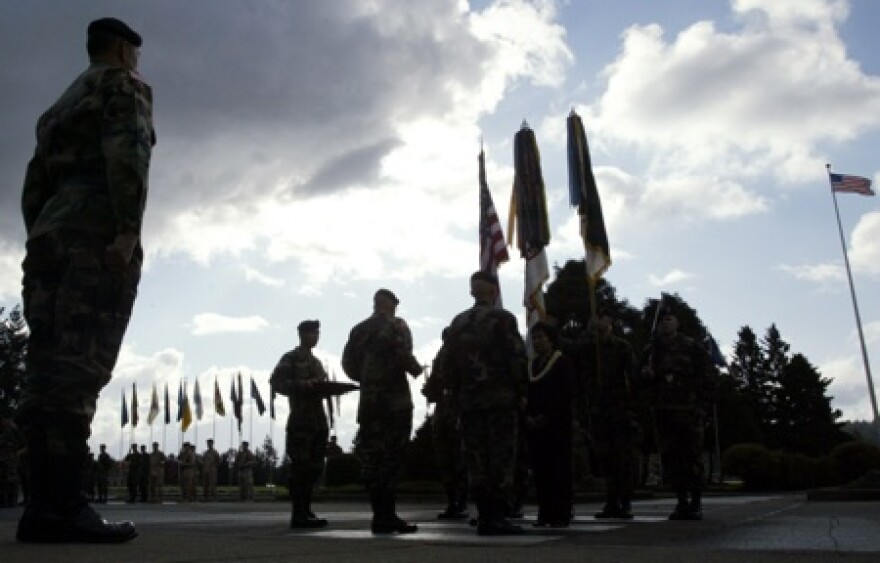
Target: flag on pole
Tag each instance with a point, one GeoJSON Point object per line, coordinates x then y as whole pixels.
{"type": "Point", "coordinates": [180, 401]}
{"type": "Point", "coordinates": [584, 195]}
{"type": "Point", "coordinates": [187, 417]}
{"type": "Point", "coordinates": [197, 400]}
{"type": "Point", "coordinates": [154, 406]}
{"type": "Point", "coordinates": [134, 405]}
{"type": "Point", "coordinates": [218, 400]}
{"type": "Point", "coordinates": [493, 249]}
{"type": "Point", "coordinates": [167, 406]}
{"type": "Point", "coordinates": [237, 400]}
{"type": "Point", "coordinates": [528, 211]}
{"type": "Point", "coordinates": [255, 395]}
{"type": "Point", "coordinates": [271, 402]}
{"type": "Point", "coordinates": [124, 410]}
{"type": "Point", "coordinates": [844, 183]}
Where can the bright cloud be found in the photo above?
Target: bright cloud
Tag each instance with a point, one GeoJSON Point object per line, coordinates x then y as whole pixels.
{"type": "Point", "coordinates": [212, 323]}
{"type": "Point", "coordinates": [673, 277]}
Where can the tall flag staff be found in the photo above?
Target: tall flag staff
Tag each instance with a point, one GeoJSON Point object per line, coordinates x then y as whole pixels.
{"type": "Point", "coordinates": [219, 409]}
{"type": "Point", "coordinates": [180, 411]}
{"type": "Point", "coordinates": [154, 410]}
{"type": "Point", "coordinates": [134, 409]}
{"type": "Point", "coordinates": [844, 183]}
{"type": "Point", "coordinates": [493, 249]}
{"type": "Point", "coordinates": [237, 407]}
{"type": "Point", "coordinates": [528, 211]}
{"type": "Point", "coordinates": [584, 195]}
{"type": "Point", "coordinates": [233, 399]}
{"type": "Point", "coordinates": [261, 406]}
{"type": "Point", "coordinates": [123, 421]}
{"type": "Point", "coordinates": [167, 417]}
{"type": "Point", "coordinates": [197, 402]}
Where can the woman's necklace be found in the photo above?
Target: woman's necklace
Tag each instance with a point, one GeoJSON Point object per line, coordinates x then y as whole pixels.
{"type": "Point", "coordinates": [547, 366]}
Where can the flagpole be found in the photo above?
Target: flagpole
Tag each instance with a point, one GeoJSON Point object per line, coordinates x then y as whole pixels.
{"type": "Point", "coordinates": [852, 292]}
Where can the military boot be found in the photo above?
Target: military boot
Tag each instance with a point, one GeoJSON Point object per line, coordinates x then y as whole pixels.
{"type": "Point", "coordinates": [695, 507]}
{"type": "Point", "coordinates": [682, 508]}
{"type": "Point", "coordinates": [456, 509]}
{"type": "Point", "coordinates": [495, 523]}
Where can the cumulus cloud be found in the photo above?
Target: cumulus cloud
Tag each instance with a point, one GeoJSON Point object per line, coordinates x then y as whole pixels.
{"type": "Point", "coordinates": [213, 323]}
{"type": "Point", "coordinates": [714, 112]}
{"type": "Point", "coordinates": [672, 277]}
{"type": "Point", "coordinates": [817, 273]}
{"type": "Point", "coordinates": [864, 252]}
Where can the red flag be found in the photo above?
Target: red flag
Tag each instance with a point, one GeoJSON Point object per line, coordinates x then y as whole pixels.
{"type": "Point", "coordinates": [493, 249]}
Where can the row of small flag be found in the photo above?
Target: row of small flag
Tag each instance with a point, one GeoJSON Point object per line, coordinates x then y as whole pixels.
{"type": "Point", "coordinates": [186, 410]}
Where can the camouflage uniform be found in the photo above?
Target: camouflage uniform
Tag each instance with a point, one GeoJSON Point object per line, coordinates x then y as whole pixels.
{"type": "Point", "coordinates": [307, 428]}
{"type": "Point", "coordinates": [86, 184]}
{"type": "Point", "coordinates": [144, 475]}
{"type": "Point", "coordinates": [378, 355]}
{"type": "Point", "coordinates": [609, 383]}
{"type": "Point", "coordinates": [446, 435]}
{"type": "Point", "coordinates": [245, 460]}
{"type": "Point", "coordinates": [103, 467]}
{"type": "Point", "coordinates": [210, 463]}
{"type": "Point", "coordinates": [157, 476]}
{"type": "Point", "coordinates": [133, 469]}
{"type": "Point", "coordinates": [487, 371]}
{"type": "Point", "coordinates": [187, 462]}
{"type": "Point", "coordinates": [680, 392]}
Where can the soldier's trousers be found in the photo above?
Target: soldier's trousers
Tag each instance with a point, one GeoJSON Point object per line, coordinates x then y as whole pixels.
{"type": "Point", "coordinates": [448, 454]}
{"type": "Point", "coordinates": [617, 445]}
{"type": "Point", "coordinates": [188, 485]}
{"type": "Point", "coordinates": [77, 312]}
{"type": "Point", "coordinates": [383, 440]}
{"type": "Point", "coordinates": [157, 482]}
{"type": "Point", "coordinates": [489, 439]}
{"type": "Point", "coordinates": [306, 447]}
{"type": "Point", "coordinates": [246, 484]}
{"type": "Point", "coordinates": [209, 477]}
{"type": "Point", "coordinates": [681, 445]}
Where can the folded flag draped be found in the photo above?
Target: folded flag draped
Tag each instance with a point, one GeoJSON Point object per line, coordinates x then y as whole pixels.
{"type": "Point", "coordinates": [154, 406]}
{"type": "Point", "coordinates": [584, 195]}
{"type": "Point", "coordinates": [255, 395]}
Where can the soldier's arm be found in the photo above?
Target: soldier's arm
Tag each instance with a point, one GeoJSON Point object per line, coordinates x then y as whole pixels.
{"type": "Point", "coordinates": [127, 144]}
{"type": "Point", "coordinates": [281, 376]}
{"type": "Point", "coordinates": [37, 190]}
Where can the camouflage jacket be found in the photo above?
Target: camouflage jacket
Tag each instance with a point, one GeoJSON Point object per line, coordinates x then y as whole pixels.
{"type": "Point", "coordinates": [683, 378]}
{"type": "Point", "coordinates": [89, 170]}
{"type": "Point", "coordinates": [608, 384]}
{"type": "Point", "coordinates": [486, 362]}
{"type": "Point", "coordinates": [295, 372]}
{"type": "Point", "coordinates": [210, 460]}
{"type": "Point", "coordinates": [376, 355]}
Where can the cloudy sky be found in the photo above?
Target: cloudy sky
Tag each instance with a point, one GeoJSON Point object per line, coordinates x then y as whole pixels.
{"type": "Point", "coordinates": [311, 152]}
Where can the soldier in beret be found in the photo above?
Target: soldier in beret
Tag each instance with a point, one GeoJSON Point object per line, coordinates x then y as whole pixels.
{"type": "Point", "coordinates": [83, 204]}
{"type": "Point", "coordinates": [378, 355]}
{"type": "Point", "coordinates": [297, 374]}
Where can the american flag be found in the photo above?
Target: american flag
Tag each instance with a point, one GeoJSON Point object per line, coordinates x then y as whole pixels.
{"type": "Point", "coordinates": [493, 250]}
{"type": "Point", "coordinates": [845, 183]}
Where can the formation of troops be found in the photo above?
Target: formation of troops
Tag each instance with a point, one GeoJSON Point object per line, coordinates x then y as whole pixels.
{"type": "Point", "coordinates": [500, 410]}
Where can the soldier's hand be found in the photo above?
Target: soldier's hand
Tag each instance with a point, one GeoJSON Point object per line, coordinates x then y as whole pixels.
{"type": "Point", "coordinates": [117, 255]}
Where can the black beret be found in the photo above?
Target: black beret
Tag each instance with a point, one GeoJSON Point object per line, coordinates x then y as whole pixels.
{"type": "Point", "coordinates": [485, 277]}
{"type": "Point", "coordinates": [112, 26]}
{"type": "Point", "coordinates": [388, 294]}
{"type": "Point", "coordinates": [308, 326]}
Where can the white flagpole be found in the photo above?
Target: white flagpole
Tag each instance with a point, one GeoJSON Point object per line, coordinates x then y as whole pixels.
{"type": "Point", "coordinates": [852, 292]}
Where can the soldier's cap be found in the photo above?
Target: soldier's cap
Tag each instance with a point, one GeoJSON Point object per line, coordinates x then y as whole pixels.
{"type": "Point", "coordinates": [118, 28]}
{"type": "Point", "coordinates": [388, 294]}
{"type": "Point", "coordinates": [308, 326]}
{"type": "Point", "coordinates": [485, 277]}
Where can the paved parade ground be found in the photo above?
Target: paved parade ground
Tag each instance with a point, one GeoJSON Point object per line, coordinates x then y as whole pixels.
{"type": "Point", "coordinates": [744, 529]}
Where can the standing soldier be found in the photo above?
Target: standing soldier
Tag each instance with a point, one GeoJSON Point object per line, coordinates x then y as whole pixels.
{"type": "Point", "coordinates": [378, 355]}
{"type": "Point", "coordinates": [83, 202]}
{"type": "Point", "coordinates": [298, 376]}
{"type": "Point", "coordinates": [144, 474]}
{"type": "Point", "coordinates": [487, 371]}
{"type": "Point", "coordinates": [446, 435]}
{"type": "Point", "coordinates": [210, 463]}
{"type": "Point", "coordinates": [104, 465]}
{"type": "Point", "coordinates": [608, 366]}
{"type": "Point", "coordinates": [680, 384]}
{"type": "Point", "coordinates": [157, 474]}
{"type": "Point", "coordinates": [187, 462]}
{"type": "Point", "coordinates": [245, 462]}
{"type": "Point", "coordinates": [132, 471]}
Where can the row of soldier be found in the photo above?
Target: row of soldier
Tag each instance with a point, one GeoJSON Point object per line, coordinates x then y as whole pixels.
{"type": "Point", "coordinates": [496, 406]}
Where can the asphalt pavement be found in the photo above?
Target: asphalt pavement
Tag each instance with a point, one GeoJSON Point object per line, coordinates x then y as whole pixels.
{"type": "Point", "coordinates": [736, 528]}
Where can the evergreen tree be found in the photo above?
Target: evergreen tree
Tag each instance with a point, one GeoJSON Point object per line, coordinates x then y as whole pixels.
{"type": "Point", "coordinates": [747, 370]}
{"type": "Point", "coordinates": [775, 360]}
{"type": "Point", "coordinates": [806, 423]}
{"type": "Point", "coordinates": [13, 349]}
